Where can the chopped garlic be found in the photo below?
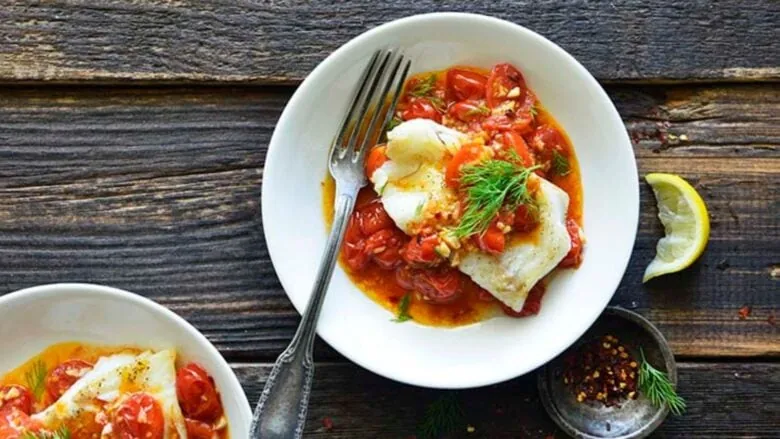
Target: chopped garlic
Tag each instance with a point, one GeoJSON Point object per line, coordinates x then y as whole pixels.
{"type": "Point", "coordinates": [443, 250]}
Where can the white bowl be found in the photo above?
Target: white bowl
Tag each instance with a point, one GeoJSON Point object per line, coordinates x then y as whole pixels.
{"type": "Point", "coordinates": [500, 348]}
{"type": "Point", "coordinates": [35, 318]}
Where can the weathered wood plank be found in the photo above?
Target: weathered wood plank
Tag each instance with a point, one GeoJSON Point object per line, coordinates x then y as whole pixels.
{"type": "Point", "coordinates": [724, 400]}
{"type": "Point", "coordinates": [158, 191]}
{"type": "Point", "coordinates": [273, 42]}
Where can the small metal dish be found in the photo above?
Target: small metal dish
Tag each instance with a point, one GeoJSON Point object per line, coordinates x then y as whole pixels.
{"type": "Point", "coordinates": [632, 419]}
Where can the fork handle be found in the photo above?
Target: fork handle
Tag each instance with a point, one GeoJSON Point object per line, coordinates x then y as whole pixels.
{"type": "Point", "coordinates": [281, 412]}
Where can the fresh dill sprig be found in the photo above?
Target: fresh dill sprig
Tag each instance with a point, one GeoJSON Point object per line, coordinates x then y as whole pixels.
{"type": "Point", "coordinates": [442, 416]}
{"type": "Point", "coordinates": [419, 209]}
{"type": "Point", "coordinates": [424, 86]}
{"type": "Point", "coordinates": [534, 111]}
{"type": "Point", "coordinates": [35, 378]}
{"type": "Point", "coordinates": [403, 309]}
{"type": "Point", "coordinates": [560, 164]}
{"type": "Point", "coordinates": [488, 186]}
{"type": "Point", "coordinates": [657, 387]}
{"type": "Point", "coordinates": [62, 433]}
{"type": "Point", "coordinates": [394, 122]}
{"type": "Point", "coordinates": [480, 110]}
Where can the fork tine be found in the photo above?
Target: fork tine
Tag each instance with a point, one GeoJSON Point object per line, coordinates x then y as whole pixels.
{"type": "Point", "coordinates": [392, 77]}
{"type": "Point", "coordinates": [366, 102]}
{"type": "Point", "coordinates": [364, 79]}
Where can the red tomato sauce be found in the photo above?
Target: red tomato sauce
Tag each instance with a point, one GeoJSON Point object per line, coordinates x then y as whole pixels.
{"type": "Point", "coordinates": [38, 383]}
{"type": "Point", "coordinates": [494, 105]}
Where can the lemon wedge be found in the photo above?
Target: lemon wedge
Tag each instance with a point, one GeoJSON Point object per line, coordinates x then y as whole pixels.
{"type": "Point", "coordinates": [686, 225]}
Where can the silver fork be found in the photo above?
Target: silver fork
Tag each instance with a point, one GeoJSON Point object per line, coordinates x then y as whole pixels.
{"type": "Point", "coordinates": [281, 411]}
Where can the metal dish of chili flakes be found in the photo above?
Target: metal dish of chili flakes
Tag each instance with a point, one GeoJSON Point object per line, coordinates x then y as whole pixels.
{"type": "Point", "coordinates": [591, 390]}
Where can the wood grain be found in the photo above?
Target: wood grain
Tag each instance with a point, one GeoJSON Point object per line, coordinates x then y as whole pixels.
{"type": "Point", "coordinates": [282, 41]}
{"type": "Point", "coordinates": [158, 190]}
{"type": "Point", "coordinates": [724, 400]}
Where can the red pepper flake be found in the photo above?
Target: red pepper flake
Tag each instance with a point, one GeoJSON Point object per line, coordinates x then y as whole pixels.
{"type": "Point", "coordinates": [744, 312]}
{"type": "Point", "coordinates": [499, 411]}
{"type": "Point", "coordinates": [601, 370]}
{"type": "Point", "coordinates": [327, 423]}
{"type": "Point", "coordinates": [771, 320]}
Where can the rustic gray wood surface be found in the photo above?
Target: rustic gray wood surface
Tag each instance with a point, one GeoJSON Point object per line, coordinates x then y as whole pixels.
{"type": "Point", "coordinates": [133, 136]}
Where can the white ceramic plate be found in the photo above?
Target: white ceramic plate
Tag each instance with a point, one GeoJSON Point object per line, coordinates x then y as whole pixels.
{"type": "Point", "coordinates": [35, 318]}
{"type": "Point", "coordinates": [500, 348]}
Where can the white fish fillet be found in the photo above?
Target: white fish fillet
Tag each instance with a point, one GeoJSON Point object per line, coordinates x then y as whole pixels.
{"type": "Point", "coordinates": [411, 182]}
{"type": "Point", "coordinates": [511, 275]}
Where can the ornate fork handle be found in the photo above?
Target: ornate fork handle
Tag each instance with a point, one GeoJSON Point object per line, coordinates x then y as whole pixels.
{"type": "Point", "coordinates": [281, 412]}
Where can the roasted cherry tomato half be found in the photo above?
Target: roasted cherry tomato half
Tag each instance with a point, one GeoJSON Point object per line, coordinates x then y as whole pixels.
{"type": "Point", "coordinates": [420, 108]}
{"type": "Point", "coordinates": [384, 247]}
{"type": "Point", "coordinates": [17, 397]}
{"type": "Point", "coordinates": [526, 218]}
{"type": "Point", "coordinates": [15, 424]}
{"type": "Point", "coordinates": [198, 398]}
{"type": "Point", "coordinates": [440, 285]}
{"type": "Point", "coordinates": [373, 218]}
{"type": "Point", "coordinates": [467, 154]}
{"type": "Point", "coordinates": [574, 257]}
{"type": "Point", "coordinates": [140, 416]}
{"type": "Point", "coordinates": [468, 111]}
{"type": "Point", "coordinates": [491, 240]}
{"type": "Point", "coordinates": [62, 377]}
{"type": "Point", "coordinates": [354, 247]}
{"type": "Point", "coordinates": [517, 144]}
{"type": "Point", "coordinates": [501, 85]}
{"type": "Point", "coordinates": [532, 305]}
{"type": "Point", "coordinates": [421, 251]}
{"type": "Point", "coordinates": [199, 430]}
{"type": "Point", "coordinates": [465, 84]}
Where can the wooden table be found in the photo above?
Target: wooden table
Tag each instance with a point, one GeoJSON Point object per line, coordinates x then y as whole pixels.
{"type": "Point", "coordinates": [132, 142]}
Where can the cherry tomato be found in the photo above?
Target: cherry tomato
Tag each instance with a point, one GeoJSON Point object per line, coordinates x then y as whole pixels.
{"type": "Point", "coordinates": [545, 141]}
{"type": "Point", "coordinates": [526, 218]}
{"type": "Point", "coordinates": [421, 108]}
{"type": "Point", "coordinates": [384, 247]}
{"type": "Point", "coordinates": [404, 277]}
{"type": "Point", "coordinates": [354, 246]}
{"type": "Point", "coordinates": [440, 285]}
{"type": "Point", "coordinates": [376, 158]}
{"type": "Point", "coordinates": [140, 416]}
{"type": "Point", "coordinates": [468, 111]}
{"type": "Point", "coordinates": [574, 257]}
{"type": "Point", "coordinates": [421, 251]}
{"type": "Point", "coordinates": [466, 154]}
{"type": "Point", "coordinates": [491, 240]}
{"type": "Point", "coordinates": [517, 143]}
{"type": "Point", "coordinates": [15, 424]}
{"type": "Point", "coordinates": [465, 84]}
{"type": "Point", "coordinates": [532, 305]}
{"type": "Point", "coordinates": [17, 397]}
{"type": "Point", "coordinates": [198, 397]}
{"type": "Point", "coordinates": [199, 430]}
{"type": "Point", "coordinates": [503, 79]}
{"type": "Point", "coordinates": [508, 122]}
{"type": "Point", "coordinates": [373, 217]}
{"type": "Point", "coordinates": [63, 376]}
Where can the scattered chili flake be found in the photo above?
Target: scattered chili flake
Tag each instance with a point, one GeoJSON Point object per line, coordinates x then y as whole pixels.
{"type": "Point", "coordinates": [601, 370]}
{"type": "Point", "coordinates": [327, 423]}
{"type": "Point", "coordinates": [771, 320]}
{"type": "Point", "coordinates": [744, 312]}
